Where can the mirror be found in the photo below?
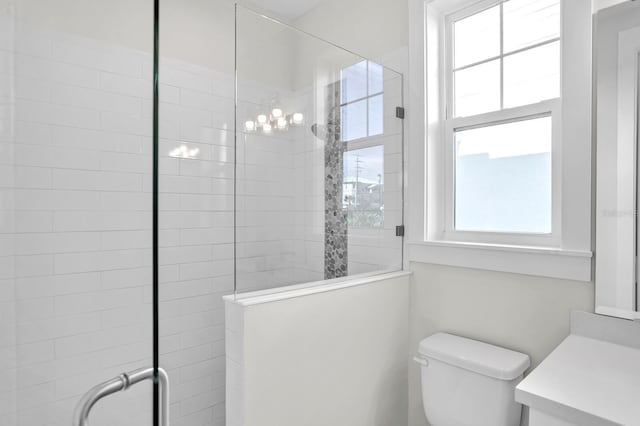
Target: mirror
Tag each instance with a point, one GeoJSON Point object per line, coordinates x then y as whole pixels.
{"type": "Point", "coordinates": [617, 53]}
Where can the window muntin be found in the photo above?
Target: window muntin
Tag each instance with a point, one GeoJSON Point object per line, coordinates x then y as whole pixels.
{"type": "Point", "coordinates": [524, 30]}
{"type": "Point", "coordinates": [361, 101]}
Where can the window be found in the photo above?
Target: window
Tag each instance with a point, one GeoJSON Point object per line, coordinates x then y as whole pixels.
{"type": "Point", "coordinates": [503, 177]}
{"type": "Point", "coordinates": [500, 141]}
{"type": "Point", "coordinates": [363, 186]}
{"type": "Point", "coordinates": [362, 114]}
{"type": "Point", "coordinates": [503, 75]}
{"type": "Point", "coordinates": [361, 101]}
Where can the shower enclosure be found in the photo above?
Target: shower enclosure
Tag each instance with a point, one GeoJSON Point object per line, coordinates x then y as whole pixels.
{"type": "Point", "coordinates": [319, 175]}
{"type": "Point", "coordinates": [279, 163]}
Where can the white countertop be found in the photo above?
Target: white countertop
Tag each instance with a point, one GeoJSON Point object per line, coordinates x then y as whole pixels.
{"type": "Point", "coordinates": [587, 382]}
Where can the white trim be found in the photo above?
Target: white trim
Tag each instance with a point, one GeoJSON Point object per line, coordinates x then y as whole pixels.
{"type": "Point", "coordinates": [603, 4]}
{"type": "Point", "coordinates": [617, 312]}
{"type": "Point", "coordinates": [545, 262]}
{"type": "Point", "coordinates": [548, 108]}
{"type": "Point", "coordinates": [617, 222]}
{"type": "Point", "coordinates": [307, 289]}
{"type": "Point", "coordinates": [573, 165]}
{"type": "Point", "coordinates": [368, 96]}
{"type": "Point", "coordinates": [576, 124]}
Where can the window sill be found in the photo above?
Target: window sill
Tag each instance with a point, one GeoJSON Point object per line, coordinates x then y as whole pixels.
{"type": "Point", "coordinates": [539, 261]}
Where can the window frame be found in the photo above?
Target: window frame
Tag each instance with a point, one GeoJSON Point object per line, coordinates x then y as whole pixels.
{"type": "Point", "coordinates": [368, 141]}
{"type": "Point", "coordinates": [468, 11]}
{"type": "Point", "coordinates": [366, 98]}
{"type": "Point", "coordinates": [568, 253]}
{"type": "Point", "coordinates": [548, 107]}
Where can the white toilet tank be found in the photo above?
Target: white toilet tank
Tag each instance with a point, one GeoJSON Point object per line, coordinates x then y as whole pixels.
{"type": "Point", "coordinates": [469, 383]}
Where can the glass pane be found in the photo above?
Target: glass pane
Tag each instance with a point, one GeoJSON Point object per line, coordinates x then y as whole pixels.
{"type": "Point", "coordinates": [75, 214]}
{"type": "Point", "coordinates": [196, 206]}
{"type": "Point", "coordinates": [354, 82]}
{"type": "Point", "coordinates": [292, 218]}
{"type": "Point", "coordinates": [477, 89]}
{"type": "Point", "coordinates": [376, 115]}
{"type": "Point", "coordinates": [354, 120]}
{"type": "Point", "coordinates": [376, 75]}
{"type": "Point", "coordinates": [503, 177]}
{"type": "Point", "coordinates": [532, 76]}
{"type": "Point", "coordinates": [477, 37]}
{"type": "Point", "coordinates": [528, 22]}
{"type": "Point", "coordinates": [363, 187]}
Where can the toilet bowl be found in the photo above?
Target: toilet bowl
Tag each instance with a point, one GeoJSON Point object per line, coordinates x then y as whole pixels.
{"type": "Point", "coordinates": [469, 383]}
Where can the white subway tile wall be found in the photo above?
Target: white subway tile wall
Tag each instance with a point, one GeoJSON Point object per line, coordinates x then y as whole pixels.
{"type": "Point", "coordinates": [76, 226]}
{"type": "Point", "coordinates": [196, 236]}
{"type": "Point", "coordinates": [76, 229]}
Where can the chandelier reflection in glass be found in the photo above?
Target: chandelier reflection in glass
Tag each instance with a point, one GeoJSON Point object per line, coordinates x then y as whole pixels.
{"type": "Point", "coordinates": [277, 120]}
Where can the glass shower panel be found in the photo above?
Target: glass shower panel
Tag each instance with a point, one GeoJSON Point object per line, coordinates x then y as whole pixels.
{"type": "Point", "coordinates": [196, 203]}
{"type": "Point", "coordinates": [319, 159]}
{"type": "Point", "coordinates": [75, 219]}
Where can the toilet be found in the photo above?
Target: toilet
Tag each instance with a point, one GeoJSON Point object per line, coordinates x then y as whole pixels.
{"type": "Point", "coordinates": [469, 383]}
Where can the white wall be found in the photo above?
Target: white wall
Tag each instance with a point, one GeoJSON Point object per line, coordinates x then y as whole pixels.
{"type": "Point", "coordinates": [330, 358]}
{"type": "Point", "coordinates": [372, 28]}
{"type": "Point", "coordinates": [524, 313]}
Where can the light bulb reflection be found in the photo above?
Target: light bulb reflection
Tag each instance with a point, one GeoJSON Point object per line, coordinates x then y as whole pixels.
{"type": "Point", "coordinates": [276, 113]}
{"type": "Point", "coordinates": [266, 128]}
{"type": "Point", "coordinates": [262, 119]}
{"type": "Point", "coordinates": [281, 123]}
{"type": "Point", "coordinates": [184, 151]}
{"type": "Point", "coordinates": [297, 118]}
{"type": "Point", "coordinates": [250, 126]}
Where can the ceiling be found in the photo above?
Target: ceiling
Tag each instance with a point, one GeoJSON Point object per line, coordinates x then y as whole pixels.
{"type": "Point", "coordinates": [288, 9]}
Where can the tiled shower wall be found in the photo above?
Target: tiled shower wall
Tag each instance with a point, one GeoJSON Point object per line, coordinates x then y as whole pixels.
{"type": "Point", "coordinates": [75, 236]}
{"type": "Point", "coordinates": [309, 173]}
{"type": "Point", "coordinates": [266, 217]}
{"type": "Point", "coordinates": [281, 196]}
{"type": "Point", "coordinates": [196, 222]}
{"type": "Point", "coordinates": [78, 185]}
{"type": "Point", "coordinates": [7, 289]}
{"type": "Point", "coordinates": [76, 289]}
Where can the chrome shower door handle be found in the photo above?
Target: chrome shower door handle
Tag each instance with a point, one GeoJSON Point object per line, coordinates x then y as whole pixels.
{"type": "Point", "coordinates": [120, 383]}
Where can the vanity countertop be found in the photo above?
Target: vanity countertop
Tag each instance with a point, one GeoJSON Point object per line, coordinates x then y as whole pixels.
{"type": "Point", "coordinates": [587, 382]}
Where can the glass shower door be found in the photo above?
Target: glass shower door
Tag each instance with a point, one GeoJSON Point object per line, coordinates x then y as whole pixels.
{"type": "Point", "coordinates": [196, 204]}
{"type": "Point", "coordinates": [76, 208]}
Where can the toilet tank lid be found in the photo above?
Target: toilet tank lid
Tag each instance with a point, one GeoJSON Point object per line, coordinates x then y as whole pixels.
{"type": "Point", "coordinates": [479, 357]}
